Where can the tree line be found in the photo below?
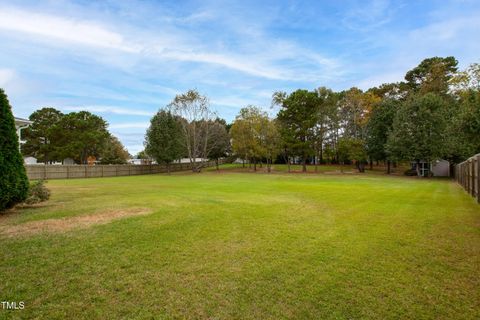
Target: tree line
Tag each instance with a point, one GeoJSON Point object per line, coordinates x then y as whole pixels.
{"type": "Point", "coordinates": [54, 136]}
{"type": "Point", "coordinates": [433, 114]}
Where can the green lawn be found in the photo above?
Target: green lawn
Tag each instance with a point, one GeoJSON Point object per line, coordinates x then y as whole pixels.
{"type": "Point", "coordinates": [235, 245]}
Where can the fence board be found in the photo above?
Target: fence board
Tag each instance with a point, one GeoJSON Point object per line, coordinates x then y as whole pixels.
{"type": "Point", "coordinates": [467, 174]}
{"type": "Point", "coordinates": [37, 172]}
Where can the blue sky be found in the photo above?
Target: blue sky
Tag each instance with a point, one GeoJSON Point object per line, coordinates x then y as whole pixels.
{"type": "Point", "coordinates": [124, 60]}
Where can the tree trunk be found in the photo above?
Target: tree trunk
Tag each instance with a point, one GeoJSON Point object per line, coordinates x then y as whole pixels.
{"type": "Point", "coordinates": [269, 165]}
{"type": "Point", "coordinates": [254, 164]}
{"type": "Point", "coordinates": [304, 163]}
{"type": "Point", "coordinates": [371, 164]}
{"type": "Point", "coordinates": [168, 168]}
{"type": "Point", "coordinates": [243, 163]}
{"type": "Point", "coordinates": [389, 167]}
{"type": "Point", "coordinates": [321, 153]}
{"type": "Point", "coordinates": [418, 168]}
{"type": "Point", "coordinates": [288, 164]}
{"type": "Point", "coordinates": [361, 167]}
{"type": "Point", "coordinates": [216, 163]}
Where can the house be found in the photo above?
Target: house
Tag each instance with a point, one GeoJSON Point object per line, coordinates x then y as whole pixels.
{"type": "Point", "coordinates": [68, 161]}
{"type": "Point", "coordinates": [140, 161]}
{"type": "Point", "coordinates": [30, 160]}
{"type": "Point", "coordinates": [21, 124]}
{"type": "Point", "coordinates": [438, 168]}
{"type": "Point", "coordinates": [441, 168]}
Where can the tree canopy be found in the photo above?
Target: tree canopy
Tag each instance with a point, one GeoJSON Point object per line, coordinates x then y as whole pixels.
{"type": "Point", "coordinates": [164, 138]}
{"type": "Point", "coordinates": [297, 118]}
{"type": "Point", "coordinates": [433, 114]}
{"type": "Point", "coordinates": [41, 136]}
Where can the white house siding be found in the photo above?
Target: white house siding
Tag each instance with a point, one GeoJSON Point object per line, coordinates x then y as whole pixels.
{"type": "Point", "coordinates": [19, 125]}
{"type": "Point", "coordinates": [441, 168]}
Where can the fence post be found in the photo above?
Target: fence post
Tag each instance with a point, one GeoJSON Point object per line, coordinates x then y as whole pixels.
{"type": "Point", "coordinates": [472, 178]}
{"type": "Point", "coordinates": [478, 179]}
{"type": "Point", "coordinates": [468, 176]}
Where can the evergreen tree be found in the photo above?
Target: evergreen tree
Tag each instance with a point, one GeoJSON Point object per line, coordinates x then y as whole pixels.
{"type": "Point", "coordinates": [13, 178]}
{"type": "Point", "coordinates": [378, 128]}
{"type": "Point", "coordinates": [113, 152]}
{"type": "Point", "coordinates": [79, 135]}
{"type": "Point", "coordinates": [41, 137]}
{"type": "Point", "coordinates": [297, 118]}
{"type": "Point", "coordinates": [164, 140]}
{"type": "Point", "coordinates": [432, 75]}
{"type": "Point", "coordinates": [419, 130]}
{"type": "Point", "coordinates": [464, 127]}
{"type": "Point", "coordinates": [354, 150]}
{"type": "Point", "coordinates": [220, 140]}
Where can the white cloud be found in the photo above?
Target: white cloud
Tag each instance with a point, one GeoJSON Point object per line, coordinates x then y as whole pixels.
{"type": "Point", "coordinates": [234, 102]}
{"type": "Point", "coordinates": [368, 16]}
{"type": "Point", "coordinates": [70, 30]}
{"type": "Point", "coordinates": [446, 30]}
{"type": "Point", "coordinates": [380, 78]}
{"type": "Point", "coordinates": [265, 57]}
{"type": "Point", "coordinates": [109, 109]}
{"type": "Point", "coordinates": [6, 76]}
{"type": "Point", "coordinates": [130, 125]}
{"type": "Point", "coordinates": [247, 66]}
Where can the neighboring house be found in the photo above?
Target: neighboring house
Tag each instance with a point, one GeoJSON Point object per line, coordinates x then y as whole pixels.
{"type": "Point", "coordinates": [441, 168]}
{"type": "Point", "coordinates": [187, 160]}
{"type": "Point", "coordinates": [68, 161]}
{"type": "Point", "coordinates": [438, 168]}
{"type": "Point", "coordinates": [140, 161]}
{"type": "Point", "coordinates": [21, 124]}
{"type": "Point", "coordinates": [30, 160]}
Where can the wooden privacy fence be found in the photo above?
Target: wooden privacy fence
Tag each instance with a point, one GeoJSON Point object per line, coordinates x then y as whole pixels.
{"type": "Point", "coordinates": [37, 172]}
{"type": "Point", "coordinates": [467, 175]}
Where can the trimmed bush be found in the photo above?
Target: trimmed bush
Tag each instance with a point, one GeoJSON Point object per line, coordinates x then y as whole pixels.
{"type": "Point", "coordinates": [38, 192]}
{"type": "Point", "coordinates": [13, 178]}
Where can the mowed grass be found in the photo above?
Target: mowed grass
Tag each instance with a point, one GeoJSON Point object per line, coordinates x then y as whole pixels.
{"type": "Point", "coordinates": [235, 245]}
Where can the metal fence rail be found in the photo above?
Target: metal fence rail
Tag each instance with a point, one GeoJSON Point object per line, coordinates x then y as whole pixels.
{"type": "Point", "coordinates": [467, 175]}
{"type": "Point", "coordinates": [45, 172]}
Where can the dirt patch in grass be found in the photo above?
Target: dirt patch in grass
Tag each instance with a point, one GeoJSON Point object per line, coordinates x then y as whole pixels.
{"type": "Point", "coordinates": [70, 223]}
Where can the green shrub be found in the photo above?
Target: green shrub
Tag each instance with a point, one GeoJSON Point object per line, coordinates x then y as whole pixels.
{"type": "Point", "coordinates": [38, 192]}
{"type": "Point", "coordinates": [13, 178]}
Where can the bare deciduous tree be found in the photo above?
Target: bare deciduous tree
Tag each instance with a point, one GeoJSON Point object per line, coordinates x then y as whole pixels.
{"type": "Point", "coordinates": [197, 118]}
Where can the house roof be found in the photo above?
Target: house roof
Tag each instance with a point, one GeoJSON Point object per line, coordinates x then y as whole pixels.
{"type": "Point", "coordinates": [22, 122]}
